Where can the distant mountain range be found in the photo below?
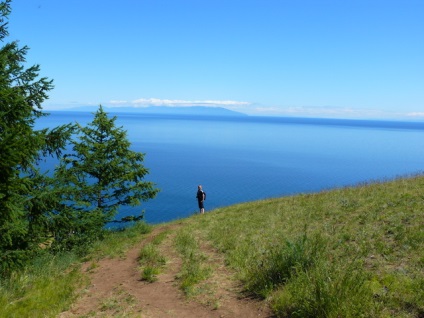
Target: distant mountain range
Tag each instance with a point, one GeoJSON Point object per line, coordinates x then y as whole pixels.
{"type": "Point", "coordinates": [163, 110]}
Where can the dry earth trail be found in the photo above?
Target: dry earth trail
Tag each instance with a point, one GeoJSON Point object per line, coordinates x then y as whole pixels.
{"type": "Point", "coordinates": [116, 290]}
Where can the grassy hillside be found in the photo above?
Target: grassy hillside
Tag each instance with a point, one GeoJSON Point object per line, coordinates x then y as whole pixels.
{"type": "Point", "coordinates": [351, 252]}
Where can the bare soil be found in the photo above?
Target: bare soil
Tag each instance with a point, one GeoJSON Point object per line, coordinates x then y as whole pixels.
{"type": "Point", "coordinates": [116, 289]}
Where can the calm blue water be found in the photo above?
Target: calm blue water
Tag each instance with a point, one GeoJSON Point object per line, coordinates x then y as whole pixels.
{"type": "Point", "coordinates": [249, 158]}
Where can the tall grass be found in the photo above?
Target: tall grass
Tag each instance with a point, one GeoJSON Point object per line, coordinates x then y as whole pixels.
{"type": "Point", "coordinates": [49, 285]}
{"type": "Point", "coordinates": [279, 263]}
{"type": "Point", "coordinates": [151, 260]}
{"type": "Point", "coordinates": [194, 268]}
{"type": "Point", "coordinates": [42, 290]}
{"type": "Point", "coordinates": [350, 252]}
{"type": "Point", "coordinates": [327, 290]}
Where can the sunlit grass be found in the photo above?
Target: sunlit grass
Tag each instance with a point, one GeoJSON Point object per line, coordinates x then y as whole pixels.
{"type": "Point", "coordinates": [117, 242]}
{"type": "Point", "coordinates": [118, 304]}
{"type": "Point", "coordinates": [50, 284]}
{"type": "Point", "coordinates": [348, 252]}
{"type": "Point", "coordinates": [43, 290]}
{"type": "Point", "coordinates": [151, 260]}
{"type": "Point", "coordinates": [194, 269]}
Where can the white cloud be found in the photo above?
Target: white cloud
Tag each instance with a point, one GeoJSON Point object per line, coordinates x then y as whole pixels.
{"type": "Point", "coordinates": [256, 109]}
{"type": "Point", "coordinates": [415, 114]}
{"type": "Point", "coordinates": [118, 102]}
{"type": "Point", "coordinates": [144, 102]}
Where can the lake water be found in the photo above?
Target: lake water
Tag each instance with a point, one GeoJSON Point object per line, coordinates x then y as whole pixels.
{"type": "Point", "coordinates": [240, 159]}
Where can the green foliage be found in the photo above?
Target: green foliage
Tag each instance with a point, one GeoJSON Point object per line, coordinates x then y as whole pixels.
{"type": "Point", "coordinates": [71, 209]}
{"type": "Point", "coordinates": [101, 174]}
{"type": "Point", "coordinates": [25, 194]}
{"type": "Point", "coordinates": [105, 169]}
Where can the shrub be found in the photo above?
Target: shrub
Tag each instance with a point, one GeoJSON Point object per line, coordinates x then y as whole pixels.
{"type": "Point", "coordinates": [327, 290]}
{"type": "Point", "coordinates": [279, 263]}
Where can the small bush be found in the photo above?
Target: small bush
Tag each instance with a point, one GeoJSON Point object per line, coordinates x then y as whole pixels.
{"type": "Point", "coordinates": [150, 255]}
{"type": "Point", "coordinates": [149, 274]}
{"type": "Point", "coordinates": [279, 263]}
{"type": "Point", "coordinates": [327, 291]}
{"type": "Point", "coordinates": [151, 261]}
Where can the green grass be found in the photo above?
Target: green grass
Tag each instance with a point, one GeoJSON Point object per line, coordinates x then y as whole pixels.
{"type": "Point", "coordinates": [194, 268]}
{"type": "Point", "coordinates": [278, 264]}
{"type": "Point", "coordinates": [43, 290]}
{"type": "Point", "coordinates": [151, 260]}
{"type": "Point", "coordinates": [49, 285]}
{"type": "Point", "coordinates": [327, 290]}
{"type": "Point", "coordinates": [119, 304]}
{"type": "Point", "coordinates": [117, 243]}
{"type": "Point", "coordinates": [350, 252]}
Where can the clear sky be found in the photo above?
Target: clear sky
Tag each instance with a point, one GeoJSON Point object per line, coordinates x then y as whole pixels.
{"type": "Point", "coordinates": [319, 58]}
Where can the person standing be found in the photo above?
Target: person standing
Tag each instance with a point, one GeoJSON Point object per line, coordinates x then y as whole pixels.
{"type": "Point", "coordinates": [201, 197]}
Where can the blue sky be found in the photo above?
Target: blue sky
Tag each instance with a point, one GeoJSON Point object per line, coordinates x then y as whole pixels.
{"type": "Point", "coordinates": [334, 58]}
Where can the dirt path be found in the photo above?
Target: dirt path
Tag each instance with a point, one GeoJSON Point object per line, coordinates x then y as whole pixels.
{"type": "Point", "coordinates": [116, 289]}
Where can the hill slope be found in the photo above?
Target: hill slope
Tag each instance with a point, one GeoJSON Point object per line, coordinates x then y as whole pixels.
{"type": "Point", "coordinates": [346, 252]}
{"type": "Point", "coordinates": [351, 252]}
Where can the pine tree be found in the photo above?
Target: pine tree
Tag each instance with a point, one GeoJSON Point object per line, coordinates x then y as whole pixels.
{"type": "Point", "coordinates": [23, 190]}
{"type": "Point", "coordinates": [104, 174]}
